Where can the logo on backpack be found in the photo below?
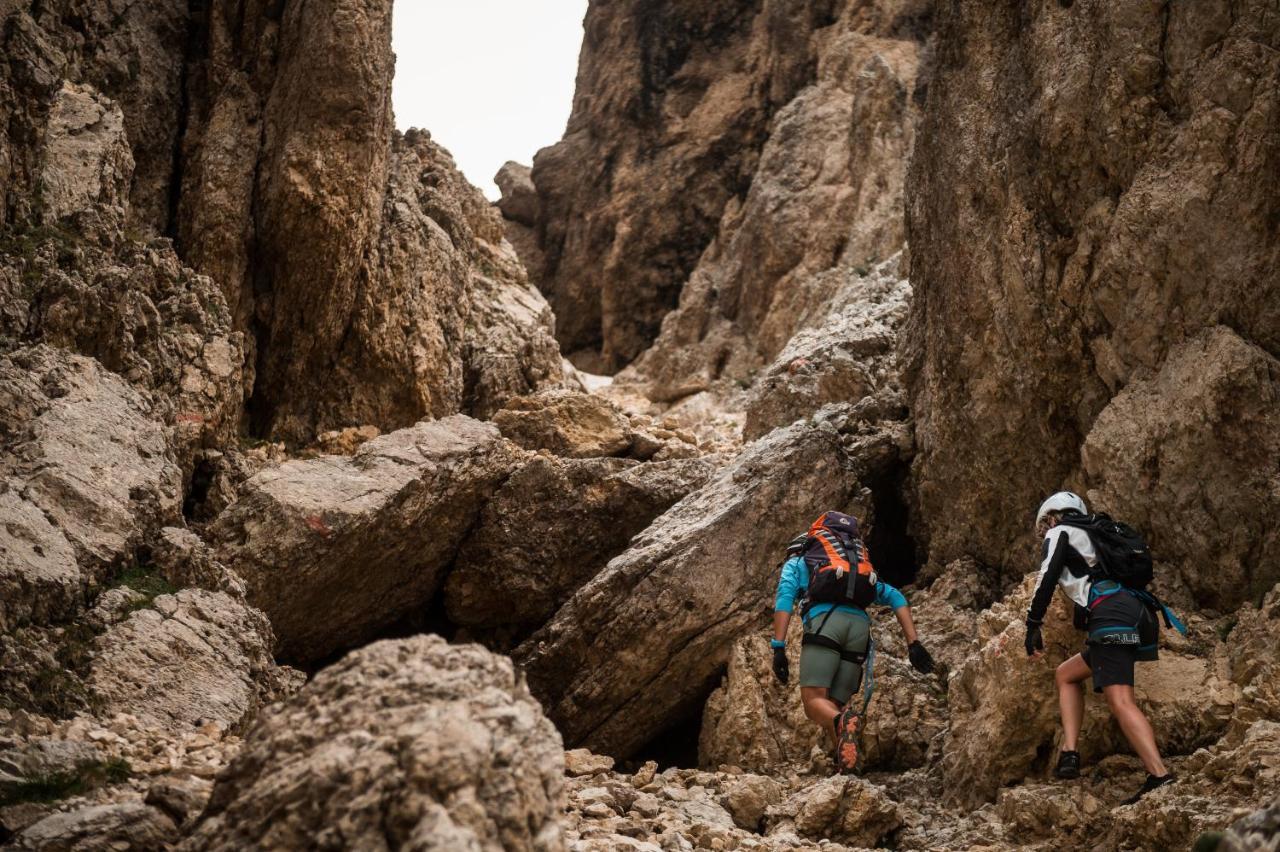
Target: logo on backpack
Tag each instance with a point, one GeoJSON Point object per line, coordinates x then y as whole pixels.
{"type": "Point", "coordinates": [840, 570]}
{"type": "Point", "coordinates": [1123, 555]}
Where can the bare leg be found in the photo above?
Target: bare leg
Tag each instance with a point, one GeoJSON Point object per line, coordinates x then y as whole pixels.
{"type": "Point", "coordinates": [1070, 699]}
{"type": "Point", "coordinates": [820, 709]}
{"type": "Point", "coordinates": [1136, 727]}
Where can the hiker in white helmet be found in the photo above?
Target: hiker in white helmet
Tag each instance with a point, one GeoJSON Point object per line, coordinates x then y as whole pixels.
{"type": "Point", "coordinates": [1112, 605]}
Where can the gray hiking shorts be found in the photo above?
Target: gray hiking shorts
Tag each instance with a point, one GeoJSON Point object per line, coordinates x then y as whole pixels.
{"type": "Point", "coordinates": [822, 666]}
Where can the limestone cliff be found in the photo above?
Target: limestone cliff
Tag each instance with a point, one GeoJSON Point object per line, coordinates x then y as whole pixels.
{"type": "Point", "coordinates": [1091, 189]}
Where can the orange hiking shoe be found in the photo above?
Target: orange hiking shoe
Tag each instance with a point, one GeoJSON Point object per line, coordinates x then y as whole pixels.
{"type": "Point", "coordinates": [848, 726]}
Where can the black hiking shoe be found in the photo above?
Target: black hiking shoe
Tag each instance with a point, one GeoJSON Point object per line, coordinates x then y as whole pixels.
{"type": "Point", "coordinates": [1152, 783]}
{"type": "Point", "coordinates": [1068, 765]}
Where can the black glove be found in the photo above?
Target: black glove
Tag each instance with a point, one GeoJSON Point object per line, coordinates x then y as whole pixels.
{"type": "Point", "coordinates": [920, 659]}
{"type": "Point", "coordinates": [781, 668]}
{"type": "Point", "coordinates": [1035, 642]}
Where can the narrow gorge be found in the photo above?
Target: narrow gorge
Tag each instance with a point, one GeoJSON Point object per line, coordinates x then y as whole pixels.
{"type": "Point", "coordinates": [341, 508]}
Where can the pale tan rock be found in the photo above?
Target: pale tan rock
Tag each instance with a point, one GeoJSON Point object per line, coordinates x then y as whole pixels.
{"type": "Point", "coordinates": [567, 423]}
{"type": "Point", "coordinates": [189, 658]}
{"type": "Point", "coordinates": [581, 761]}
{"type": "Point", "coordinates": [413, 743]}
{"type": "Point", "coordinates": [843, 809]}
{"type": "Point", "coordinates": [1177, 453]}
{"type": "Point", "coordinates": [86, 160]}
{"type": "Point", "coordinates": [753, 722]}
{"type": "Point", "coordinates": [845, 357]}
{"type": "Point", "coordinates": [393, 515]}
{"type": "Point", "coordinates": [747, 797]}
{"type": "Point", "coordinates": [184, 560]}
{"type": "Point", "coordinates": [519, 200]}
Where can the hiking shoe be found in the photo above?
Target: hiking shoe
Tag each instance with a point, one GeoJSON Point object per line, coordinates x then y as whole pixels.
{"type": "Point", "coordinates": [1152, 783]}
{"type": "Point", "coordinates": [1068, 765]}
{"type": "Point", "coordinates": [848, 725]}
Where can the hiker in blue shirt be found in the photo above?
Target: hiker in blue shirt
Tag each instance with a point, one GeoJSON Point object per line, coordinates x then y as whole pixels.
{"type": "Point", "coordinates": [830, 569]}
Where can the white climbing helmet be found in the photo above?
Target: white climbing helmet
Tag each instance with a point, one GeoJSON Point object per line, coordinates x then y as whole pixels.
{"type": "Point", "coordinates": [1061, 502]}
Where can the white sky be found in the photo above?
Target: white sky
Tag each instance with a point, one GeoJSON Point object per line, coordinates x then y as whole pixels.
{"type": "Point", "coordinates": [491, 79]}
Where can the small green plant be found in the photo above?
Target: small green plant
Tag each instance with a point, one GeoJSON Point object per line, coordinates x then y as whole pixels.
{"type": "Point", "coordinates": [143, 580]}
{"type": "Point", "coordinates": [63, 785]}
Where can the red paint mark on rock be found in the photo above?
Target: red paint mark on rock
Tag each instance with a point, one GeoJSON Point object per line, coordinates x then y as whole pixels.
{"type": "Point", "coordinates": [317, 524]}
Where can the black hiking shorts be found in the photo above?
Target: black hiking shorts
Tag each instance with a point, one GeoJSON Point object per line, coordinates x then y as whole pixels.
{"type": "Point", "coordinates": [1122, 632]}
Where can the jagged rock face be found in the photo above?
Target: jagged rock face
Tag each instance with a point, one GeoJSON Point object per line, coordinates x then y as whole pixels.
{"type": "Point", "coordinates": [753, 722]}
{"type": "Point", "coordinates": [550, 528]}
{"type": "Point", "coordinates": [636, 649]}
{"type": "Point", "coordinates": [190, 658]}
{"type": "Point", "coordinates": [75, 276]}
{"type": "Point", "coordinates": [359, 257]}
{"type": "Point", "coordinates": [86, 474]}
{"type": "Point", "coordinates": [85, 160]}
{"type": "Point", "coordinates": [130, 52]}
{"type": "Point", "coordinates": [412, 744]}
{"type": "Point", "coordinates": [392, 515]}
{"type": "Point", "coordinates": [824, 206]}
{"type": "Point", "coordinates": [848, 355]}
{"type": "Point", "coordinates": [1091, 187]}
{"type": "Point", "coordinates": [673, 106]}
{"type": "Point", "coordinates": [1188, 456]}
{"type": "Point", "coordinates": [287, 171]}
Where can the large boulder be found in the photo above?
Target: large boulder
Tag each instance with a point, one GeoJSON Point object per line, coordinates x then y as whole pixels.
{"type": "Point", "coordinates": [1188, 455]}
{"type": "Point", "coordinates": [1091, 186]}
{"type": "Point", "coordinates": [638, 648]}
{"type": "Point", "coordinates": [187, 659]}
{"type": "Point", "coordinates": [410, 744]}
{"type": "Point", "coordinates": [567, 423]}
{"type": "Point", "coordinates": [87, 475]}
{"type": "Point", "coordinates": [334, 548]}
{"type": "Point", "coordinates": [557, 522]}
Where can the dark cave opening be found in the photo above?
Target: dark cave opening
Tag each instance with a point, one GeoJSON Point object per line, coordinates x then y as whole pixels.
{"type": "Point", "coordinates": [894, 551]}
{"type": "Point", "coordinates": [203, 475]}
{"type": "Point", "coordinates": [676, 745]}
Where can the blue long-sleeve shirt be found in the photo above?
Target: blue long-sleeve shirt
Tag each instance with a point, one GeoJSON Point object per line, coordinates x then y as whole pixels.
{"type": "Point", "coordinates": [795, 580]}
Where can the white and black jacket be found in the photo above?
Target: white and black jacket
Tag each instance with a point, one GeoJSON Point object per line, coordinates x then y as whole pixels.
{"type": "Point", "coordinates": [1067, 558]}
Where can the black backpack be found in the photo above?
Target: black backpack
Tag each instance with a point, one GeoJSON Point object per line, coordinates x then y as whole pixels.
{"type": "Point", "coordinates": [1123, 555]}
{"type": "Point", "coordinates": [840, 569]}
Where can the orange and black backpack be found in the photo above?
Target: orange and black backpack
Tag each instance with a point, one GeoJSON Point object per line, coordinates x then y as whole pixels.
{"type": "Point", "coordinates": [839, 566]}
